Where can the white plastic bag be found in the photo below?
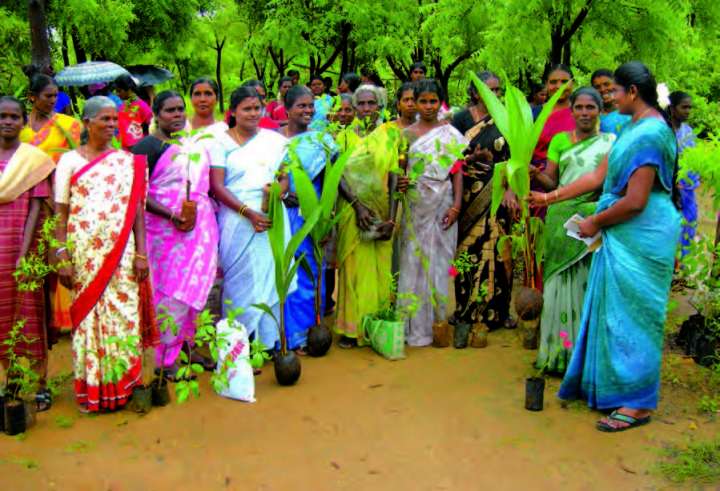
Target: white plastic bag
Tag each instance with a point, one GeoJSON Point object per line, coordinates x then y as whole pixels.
{"type": "Point", "coordinates": [234, 356]}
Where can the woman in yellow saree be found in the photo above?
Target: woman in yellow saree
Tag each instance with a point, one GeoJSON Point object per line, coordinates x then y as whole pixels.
{"type": "Point", "coordinates": [54, 134]}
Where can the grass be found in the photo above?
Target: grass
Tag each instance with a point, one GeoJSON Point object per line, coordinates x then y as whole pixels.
{"type": "Point", "coordinates": [698, 462]}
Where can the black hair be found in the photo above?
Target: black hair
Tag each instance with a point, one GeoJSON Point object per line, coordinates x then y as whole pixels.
{"type": "Point", "coordinates": [290, 73]}
{"type": "Point", "coordinates": [535, 88]}
{"type": "Point", "coordinates": [352, 79]}
{"type": "Point", "coordinates": [405, 86]}
{"type": "Point", "coordinates": [39, 82]}
{"type": "Point", "coordinates": [253, 84]}
{"type": "Point", "coordinates": [315, 77]}
{"type": "Point", "coordinates": [428, 85]}
{"type": "Point", "coordinates": [372, 76]}
{"type": "Point", "coordinates": [677, 97]}
{"type": "Point", "coordinates": [125, 82]}
{"type": "Point", "coordinates": [240, 94]}
{"type": "Point", "coordinates": [558, 66]}
{"type": "Point", "coordinates": [205, 80]}
{"type": "Point", "coordinates": [418, 65]}
{"type": "Point", "coordinates": [283, 80]}
{"type": "Point", "coordinates": [589, 91]}
{"type": "Point", "coordinates": [601, 72]}
{"type": "Point", "coordinates": [161, 98]}
{"type": "Point", "coordinates": [295, 93]}
{"type": "Point", "coordinates": [14, 100]}
{"type": "Point", "coordinates": [484, 76]}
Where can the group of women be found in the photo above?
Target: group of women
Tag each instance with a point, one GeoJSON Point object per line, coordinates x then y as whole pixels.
{"type": "Point", "coordinates": [145, 233]}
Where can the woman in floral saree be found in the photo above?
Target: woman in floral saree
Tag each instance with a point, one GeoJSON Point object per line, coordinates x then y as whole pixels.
{"type": "Point", "coordinates": [429, 235]}
{"type": "Point", "coordinates": [566, 260]}
{"type": "Point", "coordinates": [99, 194]}
{"type": "Point", "coordinates": [54, 134]}
{"type": "Point", "coordinates": [311, 150]}
{"type": "Point", "coordinates": [182, 249]}
{"type": "Point", "coordinates": [616, 359]}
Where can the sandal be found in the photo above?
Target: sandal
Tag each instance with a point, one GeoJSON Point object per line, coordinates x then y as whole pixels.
{"type": "Point", "coordinates": [630, 421]}
{"type": "Point", "coordinates": [347, 343]}
{"type": "Point", "coordinates": [43, 400]}
{"type": "Point", "coordinates": [300, 351]}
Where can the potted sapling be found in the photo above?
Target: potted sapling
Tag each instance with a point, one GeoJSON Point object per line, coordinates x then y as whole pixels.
{"type": "Point", "coordinates": [21, 382]}
{"type": "Point", "coordinates": [286, 364]}
{"type": "Point", "coordinates": [514, 120]}
{"type": "Point", "coordinates": [319, 337]}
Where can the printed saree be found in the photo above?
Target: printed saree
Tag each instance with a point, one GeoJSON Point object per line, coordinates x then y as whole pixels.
{"type": "Point", "coordinates": [566, 260]}
{"type": "Point", "coordinates": [617, 355]}
{"type": "Point", "coordinates": [426, 249]}
{"type": "Point", "coordinates": [103, 198]}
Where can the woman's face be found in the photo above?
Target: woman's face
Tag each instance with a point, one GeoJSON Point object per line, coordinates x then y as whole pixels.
{"type": "Point", "coordinates": [625, 98]}
{"type": "Point", "coordinates": [171, 117]}
{"type": "Point", "coordinates": [585, 110]}
{"type": "Point", "coordinates": [343, 88]}
{"type": "Point", "coordinates": [203, 99]}
{"type": "Point", "coordinates": [102, 127]}
{"type": "Point", "coordinates": [555, 80]}
{"type": "Point", "coordinates": [11, 120]}
{"type": "Point", "coordinates": [284, 87]}
{"type": "Point", "coordinates": [606, 86]}
{"type": "Point", "coordinates": [540, 97]}
{"type": "Point", "coordinates": [681, 112]}
{"type": "Point", "coordinates": [317, 87]}
{"type": "Point", "coordinates": [346, 113]}
{"type": "Point", "coordinates": [302, 111]}
{"type": "Point", "coordinates": [367, 106]}
{"type": "Point", "coordinates": [247, 114]}
{"type": "Point", "coordinates": [44, 102]}
{"type": "Point", "coordinates": [406, 105]}
{"type": "Point", "coordinates": [417, 74]}
{"type": "Point", "coordinates": [428, 105]}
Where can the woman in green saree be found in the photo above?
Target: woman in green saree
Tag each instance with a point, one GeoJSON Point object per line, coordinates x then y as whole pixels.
{"type": "Point", "coordinates": [567, 261]}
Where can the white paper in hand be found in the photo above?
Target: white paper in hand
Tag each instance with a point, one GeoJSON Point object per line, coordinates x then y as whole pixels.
{"type": "Point", "coordinates": [573, 230]}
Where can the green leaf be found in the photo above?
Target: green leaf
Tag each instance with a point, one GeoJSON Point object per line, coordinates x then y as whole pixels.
{"type": "Point", "coordinates": [267, 309]}
{"type": "Point", "coordinates": [498, 186]}
{"type": "Point", "coordinates": [276, 236]}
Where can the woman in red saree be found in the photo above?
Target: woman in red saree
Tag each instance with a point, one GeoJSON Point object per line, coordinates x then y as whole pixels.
{"type": "Point", "coordinates": [99, 198]}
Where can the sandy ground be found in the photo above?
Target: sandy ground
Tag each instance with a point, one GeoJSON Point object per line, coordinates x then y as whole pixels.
{"type": "Point", "coordinates": [441, 419]}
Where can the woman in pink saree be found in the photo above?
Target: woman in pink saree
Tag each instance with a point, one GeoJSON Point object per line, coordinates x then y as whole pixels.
{"type": "Point", "coordinates": [182, 248]}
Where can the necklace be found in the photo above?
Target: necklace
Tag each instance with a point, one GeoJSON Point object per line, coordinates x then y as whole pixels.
{"type": "Point", "coordinates": [642, 114]}
{"type": "Point", "coordinates": [238, 138]}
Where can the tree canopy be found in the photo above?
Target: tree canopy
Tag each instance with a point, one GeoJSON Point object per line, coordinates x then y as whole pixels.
{"type": "Point", "coordinates": [233, 40]}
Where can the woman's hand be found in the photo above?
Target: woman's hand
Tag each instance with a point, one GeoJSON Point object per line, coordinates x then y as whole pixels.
{"type": "Point", "coordinates": [363, 217]}
{"type": "Point", "coordinates": [450, 217]}
{"type": "Point", "coordinates": [260, 222]}
{"type": "Point", "coordinates": [178, 222]}
{"type": "Point", "coordinates": [386, 230]}
{"type": "Point", "coordinates": [588, 227]}
{"type": "Point", "coordinates": [140, 266]}
{"type": "Point", "coordinates": [403, 183]}
{"type": "Point", "coordinates": [533, 171]}
{"type": "Point", "coordinates": [538, 199]}
{"type": "Point", "coordinates": [510, 202]}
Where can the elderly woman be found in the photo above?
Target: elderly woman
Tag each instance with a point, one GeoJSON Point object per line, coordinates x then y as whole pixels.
{"type": "Point", "coordinates": [245, 160]}
{"type": "Point", "coordinates": [367, 210]}
{"type": "Point", "coordinates": [99, 196]}
{"type": "Point", "coordinates": [182, 245]}
{"type": "Point", "coordinates": [23, 188]}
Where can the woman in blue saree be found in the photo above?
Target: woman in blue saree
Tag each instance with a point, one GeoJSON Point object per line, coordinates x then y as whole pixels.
{"type": "Point", "coordinates": [616, 359]}
{"type": "Point", "coordinates": [311, 150]}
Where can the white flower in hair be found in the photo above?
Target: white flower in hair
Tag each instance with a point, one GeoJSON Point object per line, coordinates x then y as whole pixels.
{"type": "Point", "coordinates": [663, 95]}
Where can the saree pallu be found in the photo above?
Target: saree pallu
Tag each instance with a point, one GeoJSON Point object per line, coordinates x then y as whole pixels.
{"type": "Point", "coordinates": [60, 134]}
{"type": "Point", "coordinates": [478, 234]}
{"type": "Point", "coordinates": [426, 249]}
{"type": "Point", "coordinates": [365, 266]}
{"type": "Point", "coordinates": [22, 179]}
{"type": "Point", "coordinates": [617, 356]}
{"type": "Point", "coordinates": [313, 151]}
{"type": "Point", "coordinates": [183, 264]}
{"type": "Point", "coordinates": [104, 198]}
{"type": "Point", "coordinates": [566, 260]}
{"type": "Point", "coordinates": [245, 255]}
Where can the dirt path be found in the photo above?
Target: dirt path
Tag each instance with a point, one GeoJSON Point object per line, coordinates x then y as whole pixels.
{"type": "Point", "coordinates": [441, 419]}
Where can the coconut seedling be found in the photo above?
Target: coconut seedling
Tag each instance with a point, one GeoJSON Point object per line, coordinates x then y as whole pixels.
{"type": "Point", "coordinates": [319, 336]}
{"type": "Point", "coordinates": [515, 122]}
{"type": "Point", "coordinates": [287, 364]}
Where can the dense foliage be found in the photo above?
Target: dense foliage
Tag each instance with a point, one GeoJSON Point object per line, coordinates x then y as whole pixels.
{"type": "Point", "coordinates": [238, 39]}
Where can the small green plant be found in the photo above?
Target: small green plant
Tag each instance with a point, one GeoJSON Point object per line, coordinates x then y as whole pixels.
{"type": "Point", "coordinates": [698, 462]}
{"type": "Point", "coordinates": [399, 306]}
{"type": "Point", "coordinates": [709, 404]}
{"type": "Point", "coordinates": [64, 422]}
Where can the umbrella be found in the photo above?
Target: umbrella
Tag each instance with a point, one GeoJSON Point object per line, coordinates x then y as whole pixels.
{"type": "Point", "coordinates": [90, 72]}
{"type": "Point", "coordinates": [150, 74]}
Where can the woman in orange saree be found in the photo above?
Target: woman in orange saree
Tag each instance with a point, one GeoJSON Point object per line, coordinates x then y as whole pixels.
{"type": "Point", "coordinates": [99, 198]}
{"type": "Point", "coordinates": [54, 134]}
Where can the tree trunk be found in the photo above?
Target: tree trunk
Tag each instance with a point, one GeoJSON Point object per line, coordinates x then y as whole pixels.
{"type": "Point", "coordinates": [80, 54]}
{"type": "Point", "coordinates": [219, 45]}
{"type": "Point", "coordinates": [40, 44]}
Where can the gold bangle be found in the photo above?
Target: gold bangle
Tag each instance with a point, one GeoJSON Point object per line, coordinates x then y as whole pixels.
{"type": "Point", "coordinates": [243, 209]}
{"type": "Point", "coordinates": [452, 208]}
{"type": "Point", "coordinates": [545, 199]}
{"type": "Point", "coordinates": [140, 256]}
{"type": "Point", "coordinates": [557, 195]}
